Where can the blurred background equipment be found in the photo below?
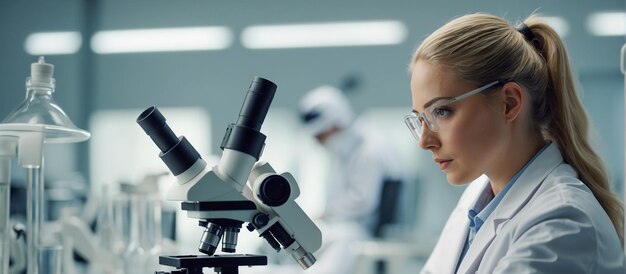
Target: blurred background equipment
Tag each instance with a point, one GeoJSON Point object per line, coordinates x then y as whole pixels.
{"type": "Point", "coordinates": [23, 132]}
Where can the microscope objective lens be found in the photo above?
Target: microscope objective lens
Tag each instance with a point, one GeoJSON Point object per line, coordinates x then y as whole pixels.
{"type": "Point", "coordinates": [210, 239]}
{"type": "Point", "coordinates": [229, 242]}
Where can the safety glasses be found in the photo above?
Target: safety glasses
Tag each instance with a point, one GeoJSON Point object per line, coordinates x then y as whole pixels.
{"type": "Point", "coordinates": [434, 116]}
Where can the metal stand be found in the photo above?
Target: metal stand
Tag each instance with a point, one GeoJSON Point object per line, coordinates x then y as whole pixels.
{"type": "Point", "coordinates": [623, 68]}
{"type": "Point", "coordinates": [224, 264]}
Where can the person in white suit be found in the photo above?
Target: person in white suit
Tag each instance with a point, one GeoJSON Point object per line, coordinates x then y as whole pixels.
{"type": "Point", "coordinates": [497, 106]}
{"type": "Point", "coordinates": [361, 163]}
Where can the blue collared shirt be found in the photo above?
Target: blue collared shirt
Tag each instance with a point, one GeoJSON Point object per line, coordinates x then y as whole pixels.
{"type": "Point", "coordinates": [486, 204]}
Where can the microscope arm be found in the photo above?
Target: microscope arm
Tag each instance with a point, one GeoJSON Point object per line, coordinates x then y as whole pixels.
{"type": "Point", "coordinates": [275, 197]}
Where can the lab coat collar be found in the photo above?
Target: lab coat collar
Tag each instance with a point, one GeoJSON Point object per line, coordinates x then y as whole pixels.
{"type": "Point", "coordinates": [517, 197]}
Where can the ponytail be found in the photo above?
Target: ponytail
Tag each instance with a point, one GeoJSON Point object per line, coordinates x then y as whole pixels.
{"type": "Point", "coordinates": [568, 124]}
{"type": "Point", "coordinates": [483, 47]}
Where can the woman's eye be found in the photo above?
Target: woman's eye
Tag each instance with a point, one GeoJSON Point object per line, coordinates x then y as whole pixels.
{"type": "Point", "coordinates": [442, 113]}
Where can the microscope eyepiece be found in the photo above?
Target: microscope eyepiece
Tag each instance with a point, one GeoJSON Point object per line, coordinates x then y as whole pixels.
{"type": "Point", "coordinates": [153, 123]}
{"type": "Point", "coordinates": [257, 103]}
{"type": "Point", "coordinates": [177, 153]}
{"type": "Point", "coordinates": [245, 135]}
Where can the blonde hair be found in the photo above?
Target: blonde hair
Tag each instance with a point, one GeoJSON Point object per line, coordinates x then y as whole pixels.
{"type": "Point", "coordinates": [482, 48]}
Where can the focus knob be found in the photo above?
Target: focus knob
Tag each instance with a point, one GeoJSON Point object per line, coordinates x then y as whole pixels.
{"type": "Point", "coordinates": [274, 190]}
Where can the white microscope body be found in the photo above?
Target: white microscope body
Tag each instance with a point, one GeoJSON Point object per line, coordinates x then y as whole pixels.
{"type": "Point", "coordinates": [216, 184]}
{"type": "Point", "coordinates": [239, 189]}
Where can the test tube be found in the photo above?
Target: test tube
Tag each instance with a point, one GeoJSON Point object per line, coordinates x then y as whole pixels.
{"type": "Point", "coordinates": [50, 259]}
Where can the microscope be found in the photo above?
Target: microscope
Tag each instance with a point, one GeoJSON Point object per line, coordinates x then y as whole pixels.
{"type": "Point", "coordinates": [239, 189]}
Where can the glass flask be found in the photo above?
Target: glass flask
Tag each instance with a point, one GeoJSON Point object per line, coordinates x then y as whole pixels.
{"type": "Point", "coordinates": [37, 115]}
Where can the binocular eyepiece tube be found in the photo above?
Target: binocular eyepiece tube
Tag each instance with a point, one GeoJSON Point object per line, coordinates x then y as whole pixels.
{"type": "Point", "coordinates": [177, 153]}
{"type": "Point", "coordinates": [245, 135]}
{"type": "Point", "coordinates": [256, 104]}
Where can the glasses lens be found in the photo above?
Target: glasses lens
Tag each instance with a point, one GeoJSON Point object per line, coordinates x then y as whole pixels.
{"type": "Point", "coordinates": [414, 125]}
{"type": "Point", "coordinates": [430, 119]}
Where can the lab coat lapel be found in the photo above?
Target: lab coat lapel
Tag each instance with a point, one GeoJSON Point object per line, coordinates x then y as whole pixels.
{"type": "Point", "coordinates": [445, 256]}
{"type": "Point", "coordinates": [451, 250]}
{"type": "Point", "coordinates": [517, 197]}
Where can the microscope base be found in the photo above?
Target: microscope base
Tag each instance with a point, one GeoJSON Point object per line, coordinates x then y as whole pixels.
{"type": "Point", "coordinates": [224, 264]}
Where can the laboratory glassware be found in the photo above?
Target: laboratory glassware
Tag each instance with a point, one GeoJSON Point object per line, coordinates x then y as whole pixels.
{"type": "Point", "coordinates": [37, 120]}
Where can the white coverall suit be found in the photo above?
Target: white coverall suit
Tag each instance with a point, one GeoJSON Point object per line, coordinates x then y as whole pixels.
{"type": "Point", "coordinates": [362, 162]}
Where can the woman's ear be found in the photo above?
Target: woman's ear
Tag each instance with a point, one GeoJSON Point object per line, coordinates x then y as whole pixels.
{"type": "Point", "coordinates": [514, 98]}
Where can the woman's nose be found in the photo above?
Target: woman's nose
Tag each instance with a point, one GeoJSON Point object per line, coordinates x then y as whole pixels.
{"type": "Point", "coordinates": [428, 139]}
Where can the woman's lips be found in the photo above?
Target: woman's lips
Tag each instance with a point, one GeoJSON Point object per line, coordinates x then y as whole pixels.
{"type": "Point", "coordinates": [443, 164]}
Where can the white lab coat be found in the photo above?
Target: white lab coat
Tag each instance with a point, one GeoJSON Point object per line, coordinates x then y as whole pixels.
{"type": "Point", "coordinates": [548, 222]}
{"type": "Point", "coordinates": [362, 161]}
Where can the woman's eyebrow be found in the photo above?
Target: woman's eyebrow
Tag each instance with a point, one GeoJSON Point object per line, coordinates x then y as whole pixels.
{"type": "Point", "coordinates": [432, 101]}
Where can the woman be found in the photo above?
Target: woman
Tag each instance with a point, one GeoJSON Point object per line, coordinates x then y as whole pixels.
{"type": "Point", "coordinates": [499, 101]}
